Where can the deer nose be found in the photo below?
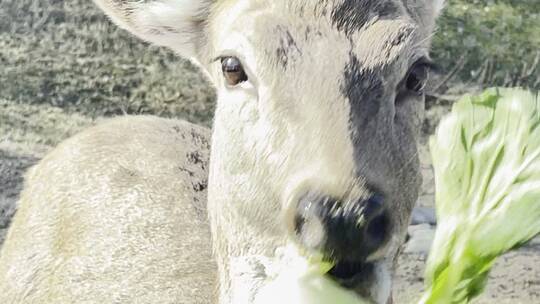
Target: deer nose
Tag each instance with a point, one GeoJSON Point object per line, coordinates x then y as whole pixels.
{"type": "Point", "coordinates": [342, 230]}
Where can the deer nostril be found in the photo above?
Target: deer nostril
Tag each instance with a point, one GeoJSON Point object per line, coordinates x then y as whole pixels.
{"type": "Point", "coordinates": [373, 206]}
{"type": "Point", "coordinates": [377, 230]}
{"type": "Point", "coordinates": [342, 230]}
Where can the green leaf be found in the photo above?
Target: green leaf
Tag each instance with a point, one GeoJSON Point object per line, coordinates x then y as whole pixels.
{"type": "Point", "coordinates": [486, 159]}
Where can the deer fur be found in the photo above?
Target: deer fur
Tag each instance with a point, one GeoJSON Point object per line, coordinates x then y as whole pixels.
{"type": "Point", "coordinates": [117, 214]}
{"type": "Point", "coordinates": [100, 217]}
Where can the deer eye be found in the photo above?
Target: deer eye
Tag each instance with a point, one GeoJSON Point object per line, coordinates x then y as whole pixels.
{"type": "Point", "coordinates": [417, 78]}
{"type": "Point", "coordinates": [233, 71]}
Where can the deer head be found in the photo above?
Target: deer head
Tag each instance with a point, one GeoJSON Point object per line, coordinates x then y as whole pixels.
{"type": "Point", "coordinates": [319, 104]}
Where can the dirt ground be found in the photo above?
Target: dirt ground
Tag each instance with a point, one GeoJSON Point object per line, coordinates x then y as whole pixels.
{"type": "Point", "coordinates": [515, 278]}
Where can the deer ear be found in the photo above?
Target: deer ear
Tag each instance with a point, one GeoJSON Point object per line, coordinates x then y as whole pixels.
{"type": "Point", "coordinates": [177, 24]}
{"type": "Point", "coordinates": [425, 12]}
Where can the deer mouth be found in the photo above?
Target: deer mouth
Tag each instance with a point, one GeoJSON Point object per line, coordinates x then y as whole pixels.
{"type": "Point", "coordinates": [370, 280]}
{"type": "Point", "coordinates": [350, 274]}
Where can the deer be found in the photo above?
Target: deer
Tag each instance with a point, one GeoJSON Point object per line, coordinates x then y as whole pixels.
{"type": "Point", "coordinates": [314, 141]}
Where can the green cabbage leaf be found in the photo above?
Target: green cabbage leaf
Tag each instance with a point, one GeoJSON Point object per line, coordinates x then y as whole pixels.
{"type": "Point", "coordinates": [486, 159]}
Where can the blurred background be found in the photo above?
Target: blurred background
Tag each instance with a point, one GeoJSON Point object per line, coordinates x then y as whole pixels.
{"type": "Point", "coordinates": [63, 66]}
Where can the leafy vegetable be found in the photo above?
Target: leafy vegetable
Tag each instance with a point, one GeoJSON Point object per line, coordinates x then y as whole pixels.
{"type": "Point", "coordinates": [486, 157]}
{"type": "Point", "coordinates": [303, 281]}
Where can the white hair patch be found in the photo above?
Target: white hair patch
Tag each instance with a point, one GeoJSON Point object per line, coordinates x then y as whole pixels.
{"type": "Point", "coordinates": [170, 23]}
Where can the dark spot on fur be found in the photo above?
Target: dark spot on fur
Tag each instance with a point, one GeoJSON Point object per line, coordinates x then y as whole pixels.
{"type": "Point", "coordinates": [195, 157]}
{"type": "Point", "coordinates": [200, 186]}
{"type": "Point", "coordinates": [200, 207]}
{"type": "Point", "coordinates": [321, 8]}
{"type": "Point", "coordinates": [179, 130]}
{"type": "Point", "coordinates": [402, 36]}
{"type": "Point", "coordinates": [352, 15]}
{"type": "Point", "coordinates": [199, 139]}
{"type": "Point", "coordinates": [169, 29]}
{"type": "Point", "coordinates": [288, 49]}
{"type": "Point", "coordinates": [162, 30]}
{"type": "Point", "coordinates": [309, 33]}
{"type": "Point", "coordinates": [189, 172]}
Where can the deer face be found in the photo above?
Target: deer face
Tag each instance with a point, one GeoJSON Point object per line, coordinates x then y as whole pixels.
{"type": "Point", "coordinates": [314, 136]}
{"type": "Point", "coordinates": [318, 111]}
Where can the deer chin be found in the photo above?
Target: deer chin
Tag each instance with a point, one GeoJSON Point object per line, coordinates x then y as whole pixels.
{"type": "Point", "coordinates": [283, 279]}
{"type": "Point", "coordinates": [370, 280]}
